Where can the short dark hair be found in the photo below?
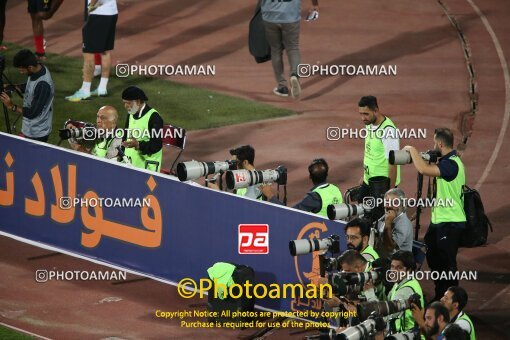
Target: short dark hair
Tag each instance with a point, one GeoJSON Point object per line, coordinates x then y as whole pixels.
{"type": "Point", "coordinates": [369, 101]}
{"type": "Point", "coordinates": [445, 135]}
{"type": "Point", "coordinates": [318, 170]}
{"type": "Point", "coordinates": [459, 295]}
{"type": "Point", "coordinates": [361, 223]}
{"type": "Point", "coordinates": [406, 257]}
{"type": "Point", "coordinates": [351, 257]}
{"type": "Point", "coordinates": [455, 332]}
{"type": "Point", "coordinates": [245, 152]}
{"type": "Point", "coordinates": [24, 59]}
{"type": "Point", "coordinates": [439, 309]}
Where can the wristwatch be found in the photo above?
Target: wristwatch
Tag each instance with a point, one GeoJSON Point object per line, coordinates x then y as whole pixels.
{"type": "Point", "coordinates": [14, 108]}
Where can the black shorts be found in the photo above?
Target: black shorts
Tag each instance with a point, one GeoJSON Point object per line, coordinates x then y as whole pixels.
{"type": "Point", "coordinates": [35, 6]}
{"type": "Point", "coordinates": [99, 33]}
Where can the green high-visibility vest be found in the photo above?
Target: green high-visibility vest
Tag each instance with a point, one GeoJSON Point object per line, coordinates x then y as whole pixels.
{"type": "Point", "coordinates": [243, 191]}
{"type": "Point", "coordinates": [329, 194]}
{"type": "Point", "coordinates": [463, 316]}
{"type": "Point", "coordinates": [446, 192]}
{"type": "Point", "coordinates": [374, 161]}
{"type": "Point", "coordinates": [370, 254]}
{"type": "Point", "coordinates": [406, 321]}
{"type": "Point", "coordinates": [101, 149]}
{"type": "Point", "coordinates": [150, 162]}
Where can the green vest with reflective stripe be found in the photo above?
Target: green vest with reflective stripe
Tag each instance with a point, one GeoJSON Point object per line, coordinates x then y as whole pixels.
{"type": "Point", "coordinates": [372, 254]}
{"type": "Point", "coordinates": [243, 191]}
{"type": "Point", "coordinates": [466, 318]}
{"type": "Point", "coordinates": [406, 321]}
{"type": "Point", "coordinates": [150, 162]}
{"type": "Point", "coordinates": [329, 194]}
{"type": "Point", "coordinates": [444, 211]}
{"type": "Point", "coordinates": [101, 149]}
{"type": "Point", "coordinates": [374, 161]}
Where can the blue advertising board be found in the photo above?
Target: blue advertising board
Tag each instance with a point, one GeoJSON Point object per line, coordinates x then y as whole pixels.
{"type": "Point", "coordinates": [185, 229]}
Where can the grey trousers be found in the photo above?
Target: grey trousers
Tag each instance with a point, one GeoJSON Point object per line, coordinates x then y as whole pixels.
{"type": "Point", "coordinates": [281, 36]}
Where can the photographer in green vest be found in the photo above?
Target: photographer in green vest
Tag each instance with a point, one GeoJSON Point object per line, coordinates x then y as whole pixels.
{"type": "Point", "coordinates": [402, 264]}
{"type": "Point", "coordinates": [448, 216]}
{"type": "Point", "coordinates": [320, 195]}
{"type": "Point", "coordinates": [381, 137]}
{"type": "Point", "coordinates": [455, 300]}
{"type": "Point", "coordinates": [357, 234]}
{"type": "Point", "coordinates": [106, 145]}
{"type": "Point", "coordinates": [144, 126]}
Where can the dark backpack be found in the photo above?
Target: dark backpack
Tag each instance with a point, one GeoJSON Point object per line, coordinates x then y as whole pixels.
{"type": "Point", "coordinates": [477, 223]}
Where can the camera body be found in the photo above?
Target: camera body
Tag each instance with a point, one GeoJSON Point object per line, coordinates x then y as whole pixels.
{"type": "Point", "coordinates": [76, 134]}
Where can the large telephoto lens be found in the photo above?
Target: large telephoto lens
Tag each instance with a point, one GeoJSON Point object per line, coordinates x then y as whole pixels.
{"type": "Point", "coordinates": [344, 211]}
{"type": "Point", "coordinates": [399, 157]}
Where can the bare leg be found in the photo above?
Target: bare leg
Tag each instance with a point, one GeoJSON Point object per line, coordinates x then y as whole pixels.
{"type": "Point", "coordinates": [106, 64]}
{"type": "Point", "coordinates": [88, 67]}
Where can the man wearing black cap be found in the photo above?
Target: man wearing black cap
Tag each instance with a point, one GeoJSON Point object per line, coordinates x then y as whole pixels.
{"type": "Point", "coordinates": [144, 127]}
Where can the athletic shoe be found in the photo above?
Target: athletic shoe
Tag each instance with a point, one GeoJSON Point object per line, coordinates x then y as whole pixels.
{"type": "Point", "coordinates": [98, 93]}
{"type": "Point", "coordinates": [41, 57]}
{"type": "Point", "coordinates": [295, 88]}
{"type": "Point", "coordinates": [78, 96]}
{"type": "Point", "coordinates": [281, 91]}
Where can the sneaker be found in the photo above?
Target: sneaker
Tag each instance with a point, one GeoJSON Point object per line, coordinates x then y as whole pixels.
{"type": "Point", "coordinates": [98, 93]}
{"type": "Point", "coordinates": [41, 57]}
{"type": "Point", "coordinates": [295, 88]}
{"type": "Point", "coordinates": [78, 96]}
{"type": "Point", "coordinates": [281, 91]}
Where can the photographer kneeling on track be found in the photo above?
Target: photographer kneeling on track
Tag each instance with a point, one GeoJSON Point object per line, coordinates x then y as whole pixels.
{"type": "Point", "coordinates": [447, 222]}
{"type": "Point", "coordinates": [105, 147]}
{"type": "Point", "coordinates": [38, 94]}
{"type": "Point", "coordinates": [347, 288]}
{"type": "Point", "coordinates": [320, 196]}
{"type": "Point", "coordinates": [396, 229]}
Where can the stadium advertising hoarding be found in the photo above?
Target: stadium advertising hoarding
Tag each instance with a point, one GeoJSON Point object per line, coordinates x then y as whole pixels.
{"type": "Point", "coordinates": [149, 223]}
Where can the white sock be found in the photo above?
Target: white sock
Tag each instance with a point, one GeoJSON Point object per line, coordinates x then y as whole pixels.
{"type": "Point", "coordinates": [97, 70]}
{"type": "Point", "coordinates": [85, 87]}
{"type": "Point", "coordinates": [102, 84]}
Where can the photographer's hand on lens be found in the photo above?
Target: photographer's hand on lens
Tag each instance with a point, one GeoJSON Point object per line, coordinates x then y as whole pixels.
{"type": "Point", "coordinates": [6, 100]}
{"type": "Point", "coordinates": [390, 215]}
{"type": "Point", "coordinates": [333, 302]}
{"type": "Point", "coordinates": [267, 190]}
{"type": "Point", "coordinates": [131, 143]}
{"type": "Point", "coordinates": [418, 315]}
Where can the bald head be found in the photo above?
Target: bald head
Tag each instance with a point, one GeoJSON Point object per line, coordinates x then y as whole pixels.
{"type": "Point", "coordinates": [107, 117]}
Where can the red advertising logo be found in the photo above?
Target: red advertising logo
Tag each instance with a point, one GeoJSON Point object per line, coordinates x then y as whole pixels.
{"type": "Point", "coordinates": [253, 239]}
{"type": "Point", "coordinates": [240, 177]}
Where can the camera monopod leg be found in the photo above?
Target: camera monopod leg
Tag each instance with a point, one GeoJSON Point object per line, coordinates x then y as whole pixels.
{"type": "Point", "coordinates": [418, 208]}
{"type": "Point", "coordinates": [284, 193]}
{"type": "Point", "coordinates": [7, 121]}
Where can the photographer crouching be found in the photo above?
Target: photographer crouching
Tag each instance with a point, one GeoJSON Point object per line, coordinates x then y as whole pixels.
{"type": "Point", "coordinates": [396, 228]}
{"type": "Point", "coordinates": [106, 145]}
{"type": "Point", "coordinates": [38, 94]}
{"type": "Point", "coordinates": [447, 222]}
